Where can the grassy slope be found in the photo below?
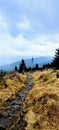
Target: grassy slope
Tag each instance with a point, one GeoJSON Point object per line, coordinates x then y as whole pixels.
{"type": "Point", "coordinates": [42, 102]}
{"type": "Point", "coordinates": [10, 84]}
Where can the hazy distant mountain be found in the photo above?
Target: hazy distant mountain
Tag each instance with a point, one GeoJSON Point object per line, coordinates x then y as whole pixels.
{"type": "Point", "coordinates": [40, 60]}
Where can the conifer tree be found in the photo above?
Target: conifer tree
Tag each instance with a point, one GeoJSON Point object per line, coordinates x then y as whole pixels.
{"type": "Point", "coordinates": [36, 67]}
{"type": "Point", "coordinates": [16, 68]}
{"type": "Point", "coordinates": [56, 59]}
{"type": "Point", "coordinates": [22, 66]}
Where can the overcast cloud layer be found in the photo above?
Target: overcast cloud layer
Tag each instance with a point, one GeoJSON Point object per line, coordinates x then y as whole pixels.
{"type": "Point", "coordinates": [28, 28]}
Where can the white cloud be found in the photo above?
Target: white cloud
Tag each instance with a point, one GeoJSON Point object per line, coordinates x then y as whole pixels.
{"type": "Point", "coordinates": [24, 24]}
{"type": "Point", "coordinates": [3, 25]}
{"type": "Point", "coordinates": [20, 46]}
{"type": "Point", "coordinates": [47, 6]}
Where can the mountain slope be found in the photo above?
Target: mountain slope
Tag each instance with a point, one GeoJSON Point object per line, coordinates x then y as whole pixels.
{"type": "Point", "coordinates": [39, 60]}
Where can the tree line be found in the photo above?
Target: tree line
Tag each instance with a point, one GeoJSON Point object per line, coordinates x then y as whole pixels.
{"type": "Point", "coordinates": [54, 64]}
{"type": "Point", "coordinates": [23, 67]}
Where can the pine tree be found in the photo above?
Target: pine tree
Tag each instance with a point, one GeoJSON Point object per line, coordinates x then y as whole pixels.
{"type": "Point", "coordinates": [16, 68]}
{"type": "Point", "coordinates": [56, 59]}
{"type": "Point", "coordinates": [22, 66]}
{"type": "Point", "coordinates": [36, 67]}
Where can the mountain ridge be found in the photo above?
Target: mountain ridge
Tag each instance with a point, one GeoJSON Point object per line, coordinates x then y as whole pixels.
{"type": "Point", "coordinates": [38, 60]}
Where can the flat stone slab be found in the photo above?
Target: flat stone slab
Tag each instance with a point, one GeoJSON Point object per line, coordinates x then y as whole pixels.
{"type": "Point", "coordinates": [5, 122]}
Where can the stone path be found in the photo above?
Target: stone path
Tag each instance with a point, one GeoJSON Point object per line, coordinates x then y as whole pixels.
{"type": "Point", "coordinates": [13, 106]}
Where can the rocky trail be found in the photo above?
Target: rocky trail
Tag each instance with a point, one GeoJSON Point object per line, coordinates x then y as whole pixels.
{"type": "Point", "coordinates": [14, 106]}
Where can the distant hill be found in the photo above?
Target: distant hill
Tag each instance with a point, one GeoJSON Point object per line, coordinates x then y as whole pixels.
{"type": "Point", "coordinates": [40, 60]}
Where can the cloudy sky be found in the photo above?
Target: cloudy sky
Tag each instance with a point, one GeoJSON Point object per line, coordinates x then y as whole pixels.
{"type": "Point", "coordinates": [28, 28]}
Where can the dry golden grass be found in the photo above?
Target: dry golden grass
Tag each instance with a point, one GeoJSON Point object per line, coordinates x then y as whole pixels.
{"type": "Point", "coordinates": [14, 82]}
{"type": "Point", "coordinates": [42, 102]}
